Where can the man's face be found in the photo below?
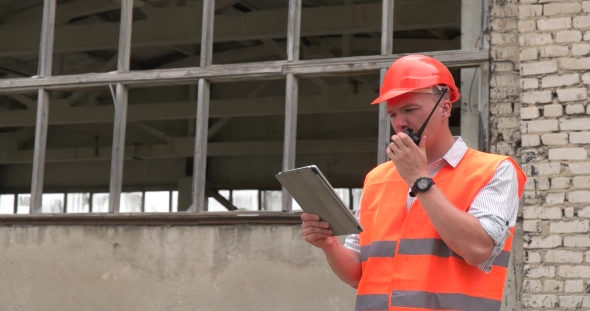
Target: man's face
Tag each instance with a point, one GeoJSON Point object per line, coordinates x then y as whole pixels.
{"type": "Point", "coordinates": [412, 109]}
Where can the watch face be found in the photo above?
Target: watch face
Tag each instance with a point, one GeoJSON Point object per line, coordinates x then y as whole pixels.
{"type": "Point", "coordinates": [422, 184]}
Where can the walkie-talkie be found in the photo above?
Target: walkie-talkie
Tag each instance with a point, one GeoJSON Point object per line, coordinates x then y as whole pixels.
{"type": "Point", "coordinates": [416, 137]}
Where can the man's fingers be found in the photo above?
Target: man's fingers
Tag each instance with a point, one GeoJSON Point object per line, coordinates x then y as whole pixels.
{"type": "Point", "coordinates": [315, 224]}
{"type": "Point", "coordinates": [309, 217]}
{"type": "Point", "coordinates": [319, 231]}
{"type": "Point", "coordinates": [402, 139]}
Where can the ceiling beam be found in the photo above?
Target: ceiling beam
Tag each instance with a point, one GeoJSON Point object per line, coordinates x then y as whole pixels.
{"type": "Point", "coordinates": [183, 26]}
{"type": "Point", "coordinates": [265, 106]}
{"type": "Point", "coordinates": [237, 72]}
{"type": "Point", "coordinates": [184, 147]}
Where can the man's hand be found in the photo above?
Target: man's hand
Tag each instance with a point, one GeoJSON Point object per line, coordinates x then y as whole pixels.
{"type": "Point", "coordinates": [409, 159]}
{"type": "Point", "coordinates": [316, 232]}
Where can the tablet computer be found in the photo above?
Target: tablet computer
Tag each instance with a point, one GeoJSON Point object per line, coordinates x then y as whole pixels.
{"type": "Point", "coordinates": [312, 191]}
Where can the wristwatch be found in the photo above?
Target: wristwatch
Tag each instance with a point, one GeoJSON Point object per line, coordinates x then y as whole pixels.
{"type": "Point", "coordinates": [421, 184]}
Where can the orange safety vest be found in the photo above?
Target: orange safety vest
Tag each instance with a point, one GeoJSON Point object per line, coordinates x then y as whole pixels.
{"type": "Point", "coordinates": [405, 263]}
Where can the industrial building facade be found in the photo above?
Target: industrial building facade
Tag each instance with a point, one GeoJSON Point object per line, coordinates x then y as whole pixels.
{"type": "Point", "coordinates": [113, 110]}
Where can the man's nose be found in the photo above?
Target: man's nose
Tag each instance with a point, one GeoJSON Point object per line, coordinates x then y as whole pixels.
{"type": "Point", "coordinates": [399, 124]}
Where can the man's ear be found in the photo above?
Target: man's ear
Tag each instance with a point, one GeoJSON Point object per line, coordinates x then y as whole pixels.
{"type": "Point", "coordinates": [446, 108]}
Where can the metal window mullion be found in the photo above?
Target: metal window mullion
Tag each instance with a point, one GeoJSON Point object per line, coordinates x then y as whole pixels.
{"type": "Point", "coordinates": [291, 96]}
{"type": "Point", "coordinates": [121, 99]}
{"type": "Point", "coordinates": [202, 119]}
{"type": "Point", "coordinates": [45, 63]}
{"type": "Point", "coordinates": [484, 83]}
{"type": "Point", "coordinates": [386, 49]}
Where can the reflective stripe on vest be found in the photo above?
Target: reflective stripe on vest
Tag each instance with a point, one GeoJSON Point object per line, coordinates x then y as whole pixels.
{"type": "Point", "coordinates": [433, 247]}
{"type": "Point", "coordinates": [426, 300]}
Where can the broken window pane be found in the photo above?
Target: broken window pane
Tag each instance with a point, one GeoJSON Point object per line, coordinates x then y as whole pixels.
{"type": "Point", "coordinates": [131, 202]}
{"type": "Point", "coordinates": [52, 203]}
{"type": "Point", "coordinates": [100, 203]}
{"type": "Point", "coordinates": [24, 201]}
{"type": "Point", "coordinates": [271, 200]}
{"type": "Point", "coordinates": [7, 204]}
{"type": "Point", "coordinates": [157, 201]}
{"type": "Point", "coordinates": [78, 203]}
{"type": "Point", "coordinates": [246, 200]}
{"type": "Point", "coordinates": [214, 206]}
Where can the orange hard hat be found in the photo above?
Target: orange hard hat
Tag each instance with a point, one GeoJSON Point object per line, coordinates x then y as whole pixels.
{"type": "Point", "coordinates": [414, 72]}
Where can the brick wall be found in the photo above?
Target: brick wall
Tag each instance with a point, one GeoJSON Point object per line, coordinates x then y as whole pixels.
{"type": "Point", "coordinates": [547, 43]}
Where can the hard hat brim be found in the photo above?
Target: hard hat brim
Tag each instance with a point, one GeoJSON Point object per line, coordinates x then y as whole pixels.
{"type": "Point", "coordinates": [392, 94]}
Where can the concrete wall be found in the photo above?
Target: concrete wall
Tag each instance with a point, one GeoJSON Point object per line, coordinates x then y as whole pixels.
{"type": "Point", "coordinates": [165, 268]}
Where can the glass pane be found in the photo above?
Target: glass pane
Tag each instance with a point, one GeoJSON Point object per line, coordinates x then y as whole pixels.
{"type": "Point", "coordinates": [24, 201]}
{"type": "Point", "coordinates": [131, 202]}
{"type": "Point", "coordinates": [356, 198]}
{"type": "Point", "coordinates": [78, 203]}
{"type": "Point", "coordinates": [7, 204]}
{"type": "Point", "coordinates": [52, 203]}
{"type": "Point", "coordinates": [20, 32]}
{"type": "Point", "coordinates": [214, 206]}
{"type": "Point", "coordinates": [157, 201]}
{"type": "Point", "coordinates": [175, 201]}
{"type": "Point", "coordinates": [344, 194]}
{"type": "Point", "coordinates": [245, 199]}
{"type": "Point", "coordinates": [271, 200]}
{"type": "Point", "coordinates": [100, 203]}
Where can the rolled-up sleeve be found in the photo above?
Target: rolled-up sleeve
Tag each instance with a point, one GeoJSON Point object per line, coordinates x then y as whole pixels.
{"type": "Point", "coordinates": [352, 241]}
{"type": "Point", "coordinates": [496, 206]}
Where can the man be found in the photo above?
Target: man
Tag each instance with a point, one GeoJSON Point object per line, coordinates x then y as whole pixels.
{"type": "Point", "coordinates": [438, 218]}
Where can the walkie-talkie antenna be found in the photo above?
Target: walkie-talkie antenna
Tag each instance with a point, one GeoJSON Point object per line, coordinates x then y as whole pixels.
{"type": "Point", "coordinates": [419, 133]}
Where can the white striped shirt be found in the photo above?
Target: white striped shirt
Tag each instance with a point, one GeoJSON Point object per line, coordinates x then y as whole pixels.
{"type": "Point", "coordinates": [495, 205]}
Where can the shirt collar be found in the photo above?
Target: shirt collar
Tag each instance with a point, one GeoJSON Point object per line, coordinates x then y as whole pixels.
{"type": "Point", "coordinates": [456, 152]}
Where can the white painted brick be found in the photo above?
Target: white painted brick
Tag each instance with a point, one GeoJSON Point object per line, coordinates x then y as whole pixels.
{"type": "Point", "coordinates": [530, 140]}
{"type": "Point", "coordinates": [568, 95]}
{"type": "Point", "coordinates": [580, 137]}
{"type": "Point", "coordinates": [575, 63]}
{"type": "Point", "coordinates": [578, 196]}
{"type": "Point", "coordinates": [528, 54]}
{"type": "Point", "coordinates": [504, 80]}
{"type": "Point", "coordinates": [532, 226]}
{"type": "Point", "coordinates": [565, 36]}
{"type": "Point", "coordinates": [538, 68]}
{"type": "Point", "coordinates": [588, 109]}
{"type": "Point", "coordinates": [551, 241]}
{"type": "Point", "coordinates": [554, 23]}
{"type": "Point", "coordinates": [529, 83]}
{"type": "Point", "coordinates": [535, 212]}
{"type": "Point", "coordinates": [581, 182]}
{"type": "Point", "coordinates": [535, 272]}
{"type": "Point", "coordinates": [574, 109]}
{"type": "Point", "coordinates": [580, 49]}
{"type": "Point", "coordinates": [553, 110]}
{"type": "Point", "coordinates": [531, 112]}
{"type": "Point", "coordinates": [579, 168]}
{"type": "Point", "coordinates": [585, 6]}
{"type": "Point", "coordinates": [574, 302]}
{"type": "Point", "coordinates": [560, 80]}
{"type": "Point", "coordinates": [553, 286]}
{"type": "Point", "coordinates": [588, 260]}
{"type": "Point", "coordinates": [574, 272]}
{"type": "Point", "coordinates": [527, 26]}
{"type": "Point", "coordinates": [533, 286]}
{"type": "Point", "coordinates": [539, 126]}
{"type": "Point", "coordinates": [574, 286]}
{"type": "Point", "coordinates": [564, 256]}
{"type": "Point", "coordinates": [584, 213]}
{"type": "Point", "coordinates": [555, 198]}
{"type": "Point", "coordinates": [500, 109]}
{"type": "Point", "coordinates": [530, 39]}
{"type": "Point", "coordinates": [499, 38]}
{"type": "Point", "coordinates": [507, 122]}
{"type": "Point", "coordinates": [568, 212]}
{"type": "Point", "coordinates": [503, 24]}
{"type": "Point", "coordinates": [576, 226]}
{"type": "Point", "coordinates": [503, 66]}
{"type": "Point", "coordinates": [530, 256]}
{"type": "Point", "coordinates": [540, 97]}
{"type": "Point", "coordinates": [542, 183]}
{"type": "Point", "coordinates": [586, 78]}
{"type": "Point", "coordinates": [577, 241]}
{"type": "Point", "coordinates": [586, 36]}
{"type": "Point", "coordinates": [560, 183]}
{"type": "Point", "coordinates": [568, 154]}
{"type": "Point", "coordinates": [554, 139]}
{"type": "Point", "coordinates": [581, 21]}
{"type": "Point", "coordinates": [556, 8]}
{"type": "Point", "coordinates": [525, 11]}
{"type": "Point", "coordinates": [577, 124]}
{"type": "Point", "coordinates": [544, 169]}
{"type": "Point", "coordinates": [539, 301]}
{"type": "Point", "coordinates": [531, 197]}
{"type": "Point", "coordinates": [529, 184]}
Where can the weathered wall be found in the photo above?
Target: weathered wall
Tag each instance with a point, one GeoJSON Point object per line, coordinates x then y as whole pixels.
{"type": "Point", "coordinates": [165, 268]}
{"type": "Point", "coordinates": [539, 83]}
